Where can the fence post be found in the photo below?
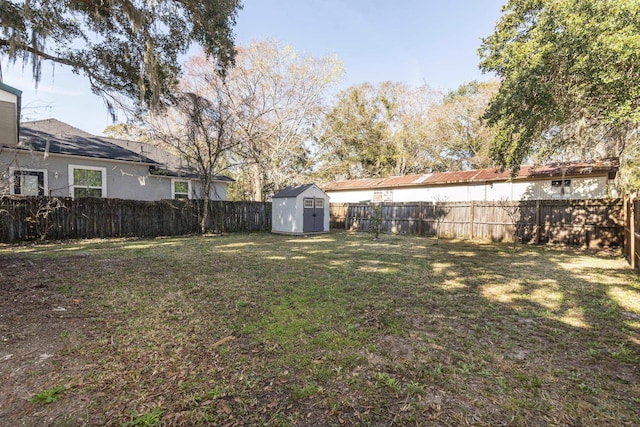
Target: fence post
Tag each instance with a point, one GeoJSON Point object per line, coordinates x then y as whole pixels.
{"type": "Point", "coordinates": [420, 218]}
{"type": "Point", "coordinates": [346, 217]}
{"type": "Point", "coordinates": [538, 221]}
{"type": "Point", "coordinates": [632, 230]}
{"type": "Point", "coordinates": [472, 214]}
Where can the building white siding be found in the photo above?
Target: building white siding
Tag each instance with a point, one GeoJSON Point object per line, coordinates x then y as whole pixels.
{"type": "Point", "coordinates": [8, 97]}
{"type": "Point", "coordinates": [8, 118]}
{"type": "Point", "coordinates": [577, 188]}
{"type": "Point", "coordinates": [285, 216]}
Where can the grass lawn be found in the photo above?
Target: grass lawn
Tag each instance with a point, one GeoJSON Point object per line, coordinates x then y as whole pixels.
{"type": "Point", "coordinates": [259, 329]}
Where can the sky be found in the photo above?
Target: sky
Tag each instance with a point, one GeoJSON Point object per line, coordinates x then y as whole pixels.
{"type": "Point", "coordinates": [417, 42]}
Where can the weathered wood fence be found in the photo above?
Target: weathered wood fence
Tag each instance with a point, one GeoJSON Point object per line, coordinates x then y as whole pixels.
{"type": "Point", "coordinates": [632, 231]}
{"type": "Point", "coordinates": [614, 222]}
{"type": "Point", "coordinates": [28, 218]}
{"type": "Point", "coordinates": [575, 222]}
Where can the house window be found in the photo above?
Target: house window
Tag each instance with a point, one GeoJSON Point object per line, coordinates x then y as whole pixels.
{"type": "Point", "coordinates": [87, 181]}
{"type": "Point", "coordinates": [180, 189]}
{"type": "Point", "coordinates": [560, 187]}
{"type": "Point", "coordinates": [308, 203]}
{"type": "Point", "coordinates": [319, 203]}
{"type": "Point", "coordinates": [383, 196]}
{"type": "Point", "coordinates": [29, 182]}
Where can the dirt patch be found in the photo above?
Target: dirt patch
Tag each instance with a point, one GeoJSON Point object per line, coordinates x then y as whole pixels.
{"type": "Point", "coordinates": [38, 324]}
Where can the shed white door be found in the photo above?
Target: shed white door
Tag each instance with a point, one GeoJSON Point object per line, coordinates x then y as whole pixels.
{"type": "Point", "coordinates": [313, 216]}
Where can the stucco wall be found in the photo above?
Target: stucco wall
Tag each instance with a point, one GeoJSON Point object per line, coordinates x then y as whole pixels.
{"type": "Point", "coordinates": [581, 188]}
{"type": "Point", "coordinates": [124, 180]}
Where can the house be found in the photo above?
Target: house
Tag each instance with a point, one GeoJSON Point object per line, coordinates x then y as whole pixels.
{"type": "Point", "coordinates": [52, 158]}
{"type": "Point", "coordinates": [574, 180]}
{"type": "Point", "coordinates": [302, 209]}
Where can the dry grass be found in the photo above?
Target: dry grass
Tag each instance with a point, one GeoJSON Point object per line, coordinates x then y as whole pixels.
{"type": "Point", "coordinates": [340, 329]}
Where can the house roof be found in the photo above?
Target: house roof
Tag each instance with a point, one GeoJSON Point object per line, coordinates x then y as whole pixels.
{"type": "Point", "coordinates": [571, 169]}
{"type": "Point", "coordinates": [10, 89]}
{"type": "Point", "coordinates": [174, 165]}
{"type": "Point", "coordinates": [56, 137]}
{"type": "Point", "coordinates": [292, 191]}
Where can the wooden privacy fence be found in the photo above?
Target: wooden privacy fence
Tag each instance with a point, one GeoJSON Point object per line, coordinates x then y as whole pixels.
{"type": "Point", "coordinates": [632, 231]}
{"type": "Point", "coordinates": [28, 218]}
{"type": "Point", "coordinates": [575, 222]}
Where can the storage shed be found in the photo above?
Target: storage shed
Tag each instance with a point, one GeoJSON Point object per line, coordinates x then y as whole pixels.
{"type": "Point", "coordinates": [301, 209]}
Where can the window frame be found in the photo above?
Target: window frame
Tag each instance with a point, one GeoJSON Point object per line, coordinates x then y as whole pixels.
{"type": "Point", "coordinates": [173, 188]}
{"type": "Point", "coordinates": [72, 185]}
{"type": "Point", "coordinates": [308, 203]}
{"type": "Point", "coordinates": [560, 187]}
{"type": "Point", "coordinates": [381, 196]}
{"type": "Point", "coordinates": [45, 180]}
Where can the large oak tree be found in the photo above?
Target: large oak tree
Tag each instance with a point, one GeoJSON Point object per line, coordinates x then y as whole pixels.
{"type": "Point", "coordinates": [570, 72]}
{"type": "Point", "coordinates": [125, 48]}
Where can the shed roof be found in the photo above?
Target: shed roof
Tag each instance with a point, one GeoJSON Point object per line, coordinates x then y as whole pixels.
{"type": "Point", "coordinates": [292, 191]}
{"type": "Point", "coordinates": [570, 169]}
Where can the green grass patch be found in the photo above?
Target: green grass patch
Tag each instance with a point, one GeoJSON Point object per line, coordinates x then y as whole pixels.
{"type": "Point", "coordinates": [49, 395]}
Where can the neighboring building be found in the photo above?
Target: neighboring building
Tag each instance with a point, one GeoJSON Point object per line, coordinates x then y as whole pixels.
{"type": "Point", "coordinates": [575, 180]}
{"type": "Point", "coordinates": [52, 158]}
{"type": "Point", "coordinates": [9, 114]}
{"type": "Point", "coordinates": [302, 209]}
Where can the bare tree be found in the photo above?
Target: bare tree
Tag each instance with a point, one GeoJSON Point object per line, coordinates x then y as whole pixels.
{"type": "Point", "coordinates": [199, 129]}
{"type": "Point", "coordinates": [278, 98]}
{"type": "Point", "coordinates": [513, 211]}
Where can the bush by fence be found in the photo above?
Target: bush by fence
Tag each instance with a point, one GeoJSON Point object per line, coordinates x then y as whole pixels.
{"type": "Point", "coordinates": [575, 222]}
{"type": "Point", "coordinates": [28, 218]}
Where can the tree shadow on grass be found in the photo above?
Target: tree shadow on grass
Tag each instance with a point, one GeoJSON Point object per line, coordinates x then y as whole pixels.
{"type": "Point", "coordinates": [530, 334]}
{"type": "Point", "coordinates": [558, 316]}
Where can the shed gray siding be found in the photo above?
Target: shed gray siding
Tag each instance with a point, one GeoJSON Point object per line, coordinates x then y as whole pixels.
{"type": "Point", "coordinates": [288, 209]}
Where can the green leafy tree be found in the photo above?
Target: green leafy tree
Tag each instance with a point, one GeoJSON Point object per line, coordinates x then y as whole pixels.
{"type": "Point", "coordinates": [570, 72]}
{"type": "Point", "coordinates": [376, 131]}
{"type": "Point", "coordinates": [125, 48]}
